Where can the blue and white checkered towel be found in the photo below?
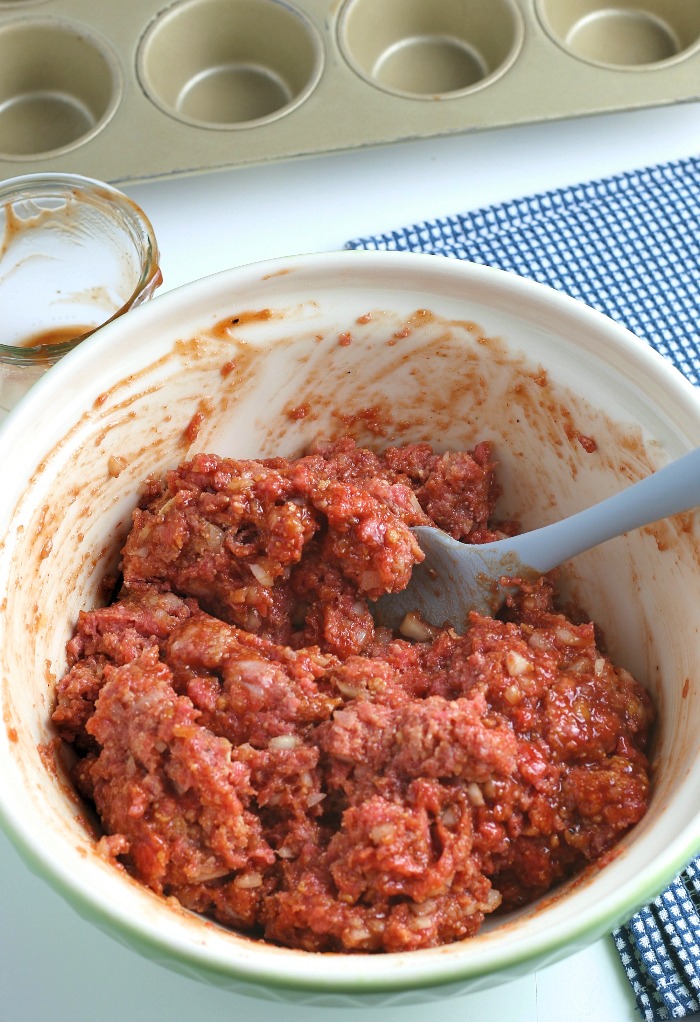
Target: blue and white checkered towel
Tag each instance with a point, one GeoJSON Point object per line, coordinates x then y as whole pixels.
{"type": "Point", "coordinates": [629, 246]}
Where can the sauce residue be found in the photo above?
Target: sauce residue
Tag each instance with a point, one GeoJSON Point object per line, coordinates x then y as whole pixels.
{"type": "Point", "coordinates": [55, 335]}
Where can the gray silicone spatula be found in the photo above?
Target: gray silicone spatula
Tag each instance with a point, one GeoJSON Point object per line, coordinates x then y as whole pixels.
{"type": "Point", "coordinates": [458, 577]}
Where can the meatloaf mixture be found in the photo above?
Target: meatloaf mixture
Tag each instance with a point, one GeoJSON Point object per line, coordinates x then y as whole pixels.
{"type": "Point", "coordinates": [258, 748]}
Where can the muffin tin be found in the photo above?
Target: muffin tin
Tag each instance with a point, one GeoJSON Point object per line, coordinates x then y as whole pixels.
{"type": "Point", "coordinates": [139, 90]}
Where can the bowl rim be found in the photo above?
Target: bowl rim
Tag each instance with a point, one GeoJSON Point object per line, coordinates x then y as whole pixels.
{"type": "Point", "coordinates": [282, 968]}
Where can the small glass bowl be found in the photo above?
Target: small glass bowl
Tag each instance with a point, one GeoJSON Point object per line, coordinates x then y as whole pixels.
{"type": "Point", "coordinates": [75, 253]}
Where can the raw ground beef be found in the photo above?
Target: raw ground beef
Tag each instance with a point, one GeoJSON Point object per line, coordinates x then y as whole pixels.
{"type": "Point", "coordinates": [258, 748]}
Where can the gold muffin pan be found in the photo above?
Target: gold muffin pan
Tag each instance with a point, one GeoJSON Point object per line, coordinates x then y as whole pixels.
{"type": "Point", "coordinates": [135, 90]}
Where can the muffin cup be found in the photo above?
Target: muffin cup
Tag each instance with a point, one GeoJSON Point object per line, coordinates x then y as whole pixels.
{"type": "Point", "coordinates": [229, 63]}
{"type": "Point", "coordinates": [59, 85]}
{"type": "Point", "coordinates": [421, 50]}
{"type": "Point", "coordinates": [631, 34]}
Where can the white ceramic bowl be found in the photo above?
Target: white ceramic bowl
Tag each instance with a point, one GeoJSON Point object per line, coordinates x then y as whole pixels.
{"type": "Point", "coordinates": [218, 365]}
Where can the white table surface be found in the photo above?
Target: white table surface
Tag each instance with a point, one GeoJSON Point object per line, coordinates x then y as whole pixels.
{"type": "Point", "coordinates": [53, 965]}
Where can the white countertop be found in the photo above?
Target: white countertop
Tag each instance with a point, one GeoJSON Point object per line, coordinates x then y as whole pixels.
{"type": "Point", "coordinates": [57, 967]}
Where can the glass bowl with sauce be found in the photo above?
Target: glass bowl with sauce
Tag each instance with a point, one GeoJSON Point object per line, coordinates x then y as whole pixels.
{"type": "Point", "coordinates": [75, 253]}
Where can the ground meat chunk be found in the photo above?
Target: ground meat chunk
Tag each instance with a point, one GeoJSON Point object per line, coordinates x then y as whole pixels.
{"type": "Point", "coordinates": [76, 695]}
{"type": "Point", "coordinates": [230, 533]}
{"type": "Point", "coordinates": [256, 747]}
{"type": "Point", "coordinates": [128, 626]}
{"type": "Point", "coordinates": [115, 634]}
{"type": "Point", "coordinates": [448, 738]}
{"type": "Point", "coordinates": [457, 490]}
{"type": "Point", "coordinates": [223, 532]}
{"type": "Point", "coordinates": [244, 686]}
{"type": "Point", "coordinates": [330, 612]}
{"type": "Point", "coordinates": [168, 785]}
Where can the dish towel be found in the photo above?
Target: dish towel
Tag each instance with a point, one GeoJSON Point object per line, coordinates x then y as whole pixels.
{"type": "Point", "coordinates": [628, 245]}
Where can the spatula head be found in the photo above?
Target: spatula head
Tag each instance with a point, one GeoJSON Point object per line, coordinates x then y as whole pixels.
{"type": "Point", "coordinates": [454, 579]}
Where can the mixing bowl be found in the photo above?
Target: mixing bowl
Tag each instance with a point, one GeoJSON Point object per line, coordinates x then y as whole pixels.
{"type": "Point", "coordinates": [391, 347]}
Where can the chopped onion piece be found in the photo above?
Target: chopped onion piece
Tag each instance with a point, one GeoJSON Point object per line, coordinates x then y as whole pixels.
{"type": "Point", "coordinates": [262, 574]}
{"type": "Point", "coordinates": [247, 881]}
{"type": "Point", "coordinates": [516, 663]}
{"type": "Point", "coordinates": [284, 742]}
{"type": "Point", "coordinates": [415, 627]}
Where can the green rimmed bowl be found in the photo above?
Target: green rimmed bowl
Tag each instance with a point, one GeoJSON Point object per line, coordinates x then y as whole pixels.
{"type": "Point", "coordinates": [225, 364]}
